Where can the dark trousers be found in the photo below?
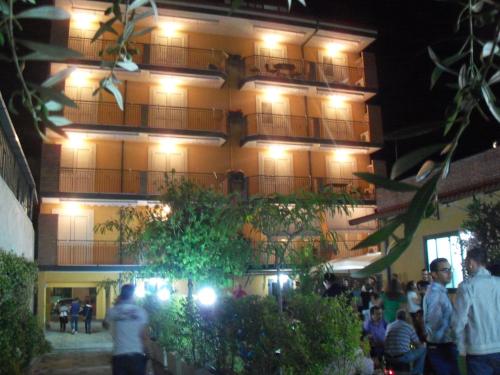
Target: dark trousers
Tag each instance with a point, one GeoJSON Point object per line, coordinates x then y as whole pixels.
{"type": "Point", "coordinates": [443, 358]}
{"type": "Point", "coordinates": [129, 364]}
{"type": "Point", "coordinates": [74, 322]}
{"type": "Point", "coordinates": [62, 323]}
{"type": "Point", "coordinates": [486, 364]}
{"type": "Point", "coordinates": [88, 328]}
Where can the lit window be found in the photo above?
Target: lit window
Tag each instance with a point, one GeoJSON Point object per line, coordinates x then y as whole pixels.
{"type": "Point", "coordinates": [447, 246]}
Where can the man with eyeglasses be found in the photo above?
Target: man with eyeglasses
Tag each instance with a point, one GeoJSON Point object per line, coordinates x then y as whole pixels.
{"type": "Point", "coordinates": [475, 319]}
{"type": "Point", "coordinates": [441, 350]}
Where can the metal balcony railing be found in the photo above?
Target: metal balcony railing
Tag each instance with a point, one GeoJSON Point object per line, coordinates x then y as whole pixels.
{"type": "Point", "coordinates": [116, 181]}
{"type": "Point", "coordinates": [266, 185]}
{"type": "Point", "coordinates": [76, 252]}
{"type": "Point", "coordinates": [268, 124]}
{"type": "Point", "coordinates": [147, 116]}
{"type": "Point", "coordinates": [209, 60]}
{"type": "Point", "coordinates": [303, 70]}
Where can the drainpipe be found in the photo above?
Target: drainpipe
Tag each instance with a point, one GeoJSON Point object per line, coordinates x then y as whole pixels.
{"type": "Point", "coordinates": [306, 106]}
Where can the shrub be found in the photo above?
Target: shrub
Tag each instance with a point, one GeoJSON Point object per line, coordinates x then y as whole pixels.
{"type": "Point", "coordinates": [21, 337]}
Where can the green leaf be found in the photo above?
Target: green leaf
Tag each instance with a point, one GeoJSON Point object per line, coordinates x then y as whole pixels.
{"type": "Point", "coordinates": [128, 65]}
{"type": "Point", "coordinates": [386, 183]}
{"type": "Point", "coordinates": [490, 101]}
{"type": "Point", "coordinates": [55, 52]}
{"type": "Point", "coordinates": [129, 29]}
{"type": "Point", "coordinates": [144, 31]}
{"type": "Point", "coordinates": [425, 170]}
{"type": "Point", "coordinates": [53, 106]}
{"type": "Point", "coordinates": [411, 159]}
{"type": "Point", "coordinates": [146, 14]}
{"type": "Point", "coordinates": [419, 204]}
{"type": "Point", "coordinates": [105, 27]}
{"type": "Point", "coordinates": [59, 120]}
{"type": "Point", "coordinates": [488, 49]}
{"type": "Point", "coordinates": [48, 93]}
{"type": "Point", "coordinates": [495, 78]}
{"type": "Point", "coordinates": [443, 66]}
{"type": "Point", "coordinates": [4, 8]}
{"type": "Point", "coordinates": [381, 235]}
{"type": "Point", "coordinates": [137, 4]}
{"type": "Point", "coordinates": [385, 262]}
{"type": "Point", "coordinates": [46, 13]}
{"type": "Point", "coordinates": [58, 77]}
{"type": "Point", "coordinates": [111, 88]}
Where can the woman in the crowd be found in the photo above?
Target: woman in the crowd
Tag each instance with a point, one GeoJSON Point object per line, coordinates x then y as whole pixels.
{"type": "Point", "coordinates": [392, 300]}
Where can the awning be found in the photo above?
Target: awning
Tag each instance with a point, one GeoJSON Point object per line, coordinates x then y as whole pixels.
{"type": "Point", "coordinates": [346, 265]}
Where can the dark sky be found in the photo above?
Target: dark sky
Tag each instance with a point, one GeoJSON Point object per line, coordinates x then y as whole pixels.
{"type": "Point", "coordinates": [406, 28]}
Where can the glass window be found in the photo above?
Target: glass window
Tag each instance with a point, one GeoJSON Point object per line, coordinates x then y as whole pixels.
{"type": "Point", "coordinates": [450, 247]}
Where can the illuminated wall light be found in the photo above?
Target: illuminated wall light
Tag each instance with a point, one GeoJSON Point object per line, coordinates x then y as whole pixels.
{"type": "Point", "coordinates": [79, 78]}
{"type": "Point", "coordinates": [169, 84]}
{"type": "Point", "coordinates": [271, 40]}
{"type": "Point", "coordinates": [84, 20]}
{"type": "Point", "coordinates": [276, 152]}
{"type": "Point", "coordinates": [168, 146]}
{"type": "Point", "coordinates": [337, 100]}
{"type": "Point", "coordinates": [206, 296]}
{"type": "Point", "coordinates": [271, 94]}
{"type": "Point", "coordinates": [75, 140]}
{"type": "Point", "coordinates": [341, 155]}
{"type": "Point", "coordinates": [71, 208]}
{"type": "Point", "coordinates": [333, 49]}
{"type": "Point", "coordinates": [169, 28]}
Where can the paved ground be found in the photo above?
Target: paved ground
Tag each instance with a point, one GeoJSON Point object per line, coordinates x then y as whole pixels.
{"type": "Point", "coordinates": [99, 339]}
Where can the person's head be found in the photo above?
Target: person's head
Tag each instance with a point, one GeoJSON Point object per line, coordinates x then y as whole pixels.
{"type": "Point", "coordinates": [328, 280]}
{"type": "Point", "coordinates": [376, 313]}
{"type": "Point", "coordinates": [372, 281]}
{"type": "Point", "coordinates": [411, 286]}
{"type": "Point", "coordinates": [476, 258]}
{"type": "Point", "coordinates": [441, 271]}
{"type": "Point", "coordinates": [75, 300]}
{"type": "Point", "coordinates": [393, 289]}
{"type": "Point", "coordinates": [401, 315]}
{"type": "Point", "coordinates": [127, 292]}
{"type": "Point", "coordinates": [425, 275]}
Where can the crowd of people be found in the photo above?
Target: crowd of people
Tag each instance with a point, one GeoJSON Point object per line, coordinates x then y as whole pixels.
{"type": "Point", "coordinates": [421, 326]}
{"type": "Point", "coordinates": [73, 312]}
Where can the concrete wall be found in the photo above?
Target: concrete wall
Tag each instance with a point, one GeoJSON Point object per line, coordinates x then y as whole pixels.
{"type": "Point", "coordinates": [16, 229]}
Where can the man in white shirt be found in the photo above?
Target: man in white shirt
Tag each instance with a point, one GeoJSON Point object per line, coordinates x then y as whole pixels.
{"type": "Point", "coordinates": [476, 317]}
{"type": "Point", "coordinates": [128, 323]}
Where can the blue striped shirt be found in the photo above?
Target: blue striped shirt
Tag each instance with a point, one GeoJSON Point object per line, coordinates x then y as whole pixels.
{"type": "Point", "coordinates": [437, 314]}
{"type": "Point", "coordinates": [398, 338]}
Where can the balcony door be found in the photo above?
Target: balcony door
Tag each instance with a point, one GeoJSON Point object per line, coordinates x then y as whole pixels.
{"type": "Point", "coordinates": [81, 92]}
{"type": "Point", "coordinates": [75, 236]}
{"type": "Point", "coordinates": [337, 121]}
{"type": "Point", "coordinates": [273, 116]}
{"type": "Point", "coordinates": [340, 174]}
{"type": "Point", "coordinates": [168, 108]}
{"type": "Point", "coordinates": [276, 174]}
{"type": "Point", "coordinates": [77, 173]}
{"type": "Point", "coordinates": [168, 50]}
{"type": "Point", "coordinates": [333, 68]}
{"type": "Point", "coordinates": [267, 57]}
{"type": "Point", "coordinates": [162, 162]}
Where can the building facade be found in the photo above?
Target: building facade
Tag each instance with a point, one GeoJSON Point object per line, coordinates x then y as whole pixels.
{"type": "Point", "coordinates": [17, 192]}
{"type": "Point", "coordinates": [280, 100]}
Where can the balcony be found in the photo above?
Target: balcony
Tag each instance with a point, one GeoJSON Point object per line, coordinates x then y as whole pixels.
{"type": "Point", "coordinates": [77, 253]}
{"type": "Point", "coordinates": [264, 126]}
{"type": "Point", "coordinates": [303, 72]}
{"type": "Point", "coordinates": [95, 115]}
{"type": "Point", "coordinates": [151, 56]}
{"type": "Point", "coordinates": [266, 185]}
{"type": "Point", "coordinates": [129, 182]}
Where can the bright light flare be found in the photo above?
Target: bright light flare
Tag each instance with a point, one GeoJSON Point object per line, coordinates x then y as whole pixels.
{"type": "Point", "coordinates": [333, 49]}
{"type": "Point", "coordinates": [83, 20]}
{"type": "Point", "coordinates": [163, 294]}
{"type": "Point", "coordinates": [271, 40]}
{"type": "Point", "coordinates": [79, 78]}
{"type": "Point", "coordinates": [140, 289]}
{"type": "Point", "coordinates": [342, 155]}
{"type": "Point", "coordinates": [283, 279]}
{"type": "Point", "coordinates": [337, 101]}
{"type": "Point", "coordinates": [168, 146]}
{"type": "Point", "coordinates": [71, 208]}
{"type": "Point", "coordinates": [169, 84]}
{"type": "Point", "coordinates": [206, 296]}
{"type": "Point", "coordinates": [271, 94]}
{"type": "Point", "coordinates": [75, 140]}
{"type": "Point", "coordinates": [169, 28]}
{"type": "Point", "coordinates": [276, 151]}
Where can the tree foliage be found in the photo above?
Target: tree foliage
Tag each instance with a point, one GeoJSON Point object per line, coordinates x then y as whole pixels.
{"type": "Point", "coordinates": [475, 70]}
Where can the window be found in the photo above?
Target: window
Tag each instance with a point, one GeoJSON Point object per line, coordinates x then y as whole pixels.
{"type": "Point", "coordinates": [449, 246]}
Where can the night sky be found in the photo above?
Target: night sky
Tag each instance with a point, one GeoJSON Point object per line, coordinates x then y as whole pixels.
{"type": "Point", "coordinates": [405, 27]}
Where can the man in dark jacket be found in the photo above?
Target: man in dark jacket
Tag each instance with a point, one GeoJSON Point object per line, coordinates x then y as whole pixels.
{"type": "Point", "coordinates": [333, 287]}
{"type": "Point", "coordinates": [74, 311]}
{"type": "Point", "coordinates": [87, 315]}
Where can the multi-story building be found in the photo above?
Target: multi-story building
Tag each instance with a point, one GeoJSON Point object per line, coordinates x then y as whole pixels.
{"type": "Point", "coordinates": [17, 192]}
{"type": "Point", "coordinates": [280, 99]}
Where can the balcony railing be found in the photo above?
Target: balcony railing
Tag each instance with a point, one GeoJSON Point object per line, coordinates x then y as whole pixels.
{"type": "Point", "coordinates": [268, 124]}
{"type": "Point", "coordinates": [325, 251]}
{"type": "Point", "coordinates": [266, 185]}
{"type": "Point", "coordinates": [116, 181]}
{"type": "Point", "coordinates": [303, 70]}
{"type": "Point", "coordinates": [75, 252]}
{"type": "Point", "coordinates": [148, 116]}
{"type": "Point", "coordinates": [209, 60]}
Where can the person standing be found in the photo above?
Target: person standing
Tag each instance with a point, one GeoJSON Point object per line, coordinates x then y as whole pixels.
{"type": "Point", "coordinates": [87, 315]}
{"type": "Point", "coordinates": [333, 288]}
{"type": "Point", "coordinates": [128, 323]}
{"type": "Point", "coordinates": [398, 341]}
{"type": "Point", "coordinates": [476, 316]}
{"type": "Point", "coordinates": [412, 299]}
{"type": "Point", "coordinates": [63, 317]}
{"type": "Point", "coordinates": [392, 300]}
{"type": "Point", "coordinates": [441, 350]}
{"type": "Point", "coordinates": [74, 312]}
{"type": "Point", "coordinates": [375, 329]}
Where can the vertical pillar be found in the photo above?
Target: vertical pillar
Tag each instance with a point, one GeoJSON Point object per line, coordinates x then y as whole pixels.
{"type": "Point", "coordinates": [41, 299]}
{"type": "Point", "coordinates": [101, 304]}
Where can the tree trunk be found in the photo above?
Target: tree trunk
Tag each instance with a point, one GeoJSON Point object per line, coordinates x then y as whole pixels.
{"type": "Point", "coordinates": [190, 312]}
